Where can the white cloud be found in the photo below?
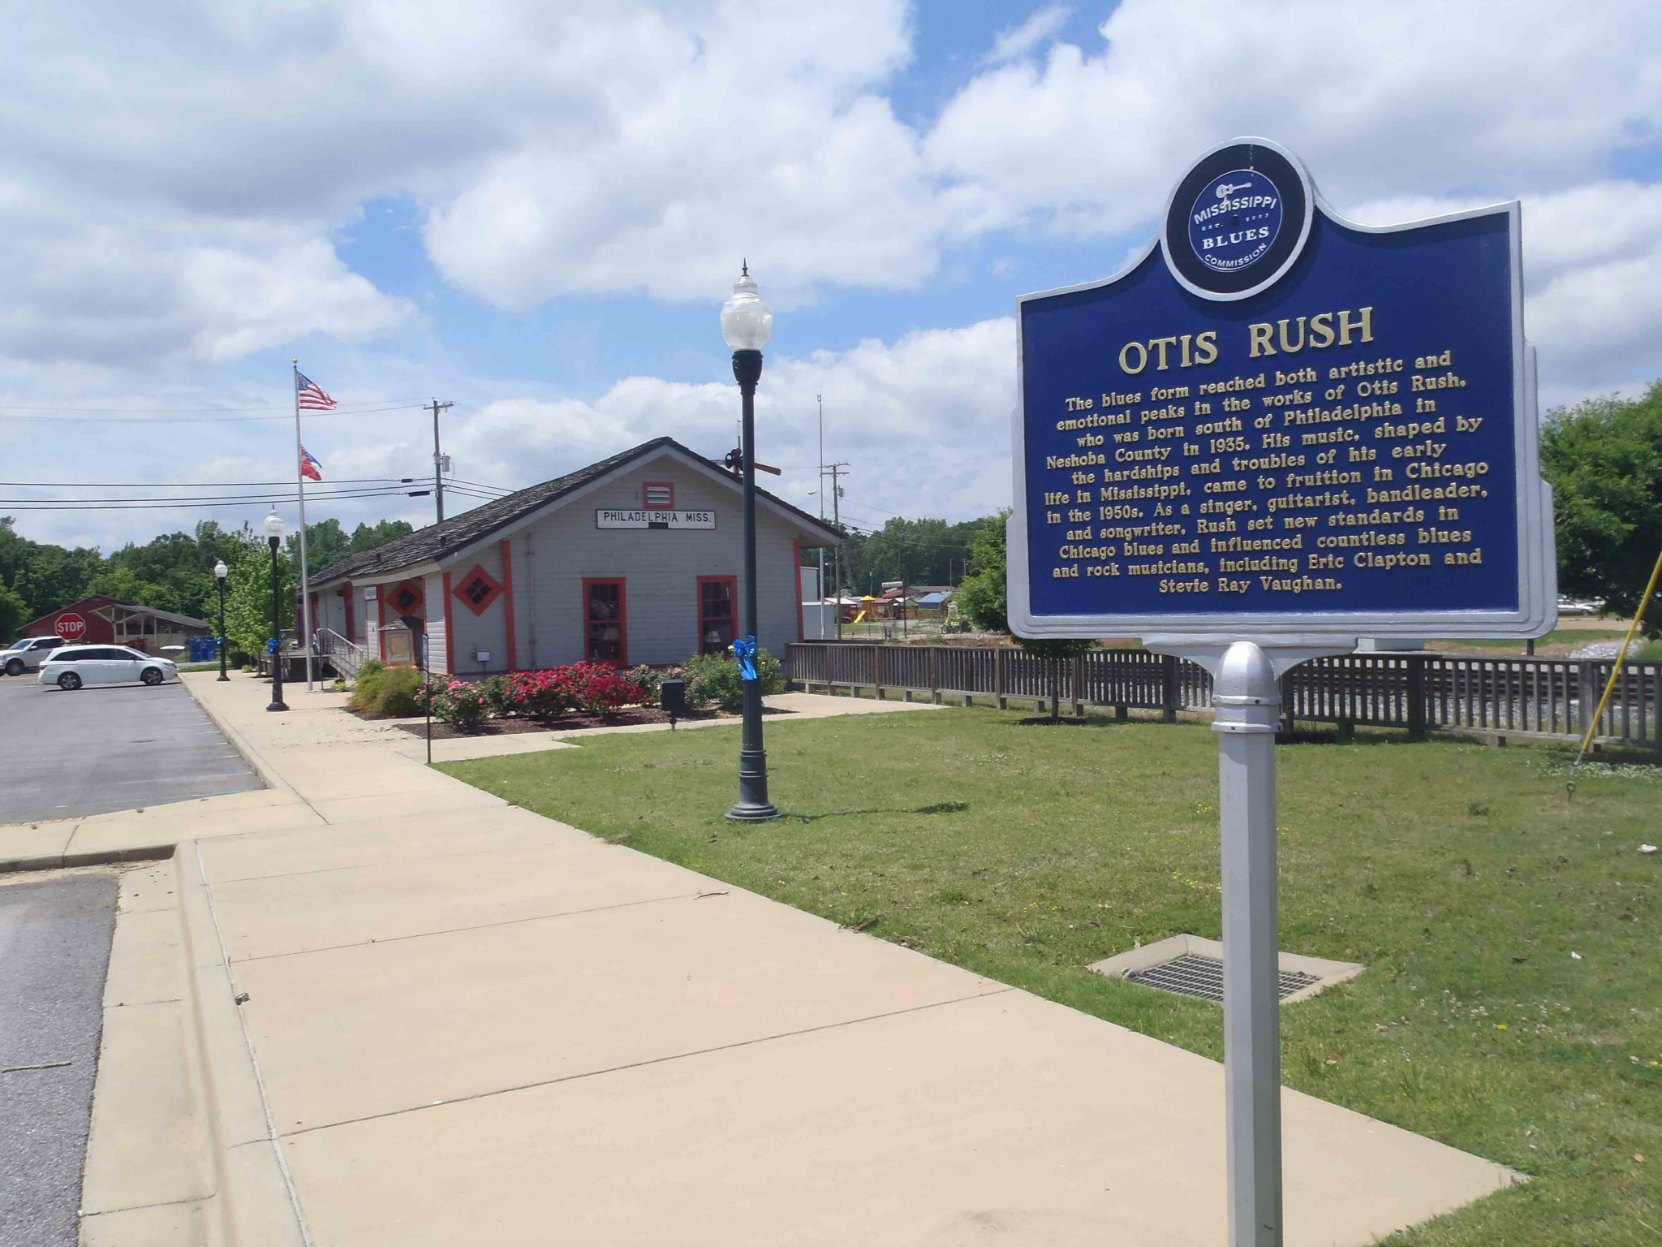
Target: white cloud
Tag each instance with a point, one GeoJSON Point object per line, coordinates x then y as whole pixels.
{"type": "Point", "coordinates": [1386, 99]}
{"type": "Point", "coordinates": [925, 418]}
{"type": "Point", "coordinates": [1015, 42]}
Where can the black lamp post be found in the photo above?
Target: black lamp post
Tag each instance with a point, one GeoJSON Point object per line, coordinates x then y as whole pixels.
{"type": "Point", "coordinates": [747, 324]}
{"type": "Point", "coordinates": [220, 572]}
{"type": "Point", "coordinates": [274, 538]}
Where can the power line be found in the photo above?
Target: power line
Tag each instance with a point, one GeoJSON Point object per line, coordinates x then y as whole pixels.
{"type": "Point", "coordinates": [142, 418]}
{"type": "Point", "coordinates": [353, 480]}
{"type": "Point", "coordinates": [163, 504]}
{"type": "Point", "coordinates": [282, 407]}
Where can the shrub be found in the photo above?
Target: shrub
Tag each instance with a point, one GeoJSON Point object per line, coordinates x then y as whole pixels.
{"type": "Point", "coordinates": [544, 695]}
{"type": "Point", "coordinates": [646, 679]}
{"type": "Point", "coordinates": [716, 678]}
{"type": "Point", "coordinates": [394, 692]}
{"type": "Point", "coordinates": [461, 706]}
{"type": "Point", "coordinates": [599, 689]}
{"type": "Point", "coordinates": [500, 697]}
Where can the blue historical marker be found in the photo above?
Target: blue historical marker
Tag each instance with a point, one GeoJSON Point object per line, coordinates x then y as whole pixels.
{"type": "Point", "coordinates": [1279, 421]}
{"type": "Point", "coordinates": [1274, 433]}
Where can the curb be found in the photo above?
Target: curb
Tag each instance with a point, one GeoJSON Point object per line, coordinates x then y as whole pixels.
{"type": "Point", "coordinates": [102, 857]}
{"type": "Point", "coordinates": [267, 773]}
{"type": "Point", "coordinates": [254, 1203]}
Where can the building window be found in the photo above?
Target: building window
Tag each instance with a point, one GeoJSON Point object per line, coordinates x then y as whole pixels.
{"type": "Point", "coordinates": [718, 613]}
{"type": "Point", "coordinates": [605, 622]}
{"type": "Point", "coordinates": [658, 496]}
{"type": "Point", "coordinates": [478, 590]}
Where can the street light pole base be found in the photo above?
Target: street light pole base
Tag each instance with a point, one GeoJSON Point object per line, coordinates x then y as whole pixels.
{"type": "Point", "coordinates": [752, 812]}
{"type": "Point", "coordinates": [277, 705]}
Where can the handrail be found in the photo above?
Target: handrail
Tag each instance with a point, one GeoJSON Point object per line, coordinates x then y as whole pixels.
{"type": "Point", "coordinates": [345, 655]}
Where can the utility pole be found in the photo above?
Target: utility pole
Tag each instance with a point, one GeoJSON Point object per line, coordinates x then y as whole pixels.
{"type": "Point", "coordinates": [836, 470]}
{"type": "Point", "coordinates": [438, 458]}
{"type": "Point", "coordinates": [819, 401]}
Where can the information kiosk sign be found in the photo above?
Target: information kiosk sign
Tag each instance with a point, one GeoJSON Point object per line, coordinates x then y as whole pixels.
{"type": "Point", "coordinates": [1274, 433]}
{"type": "Point", "coordinates": [1279, 421]}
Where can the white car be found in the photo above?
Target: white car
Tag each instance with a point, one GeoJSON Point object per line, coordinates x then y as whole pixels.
{"type": "Point", "coordinates": [74, 666]}
{"type": "Point", "coordinates": [27, 653]}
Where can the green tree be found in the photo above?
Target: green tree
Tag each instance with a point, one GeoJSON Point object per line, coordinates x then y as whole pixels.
{"type": "Point", "coordinates": [368, 536]}
{"type": "Point", "coordinates": [13, 613]}
{"type": "Point", "coordinates": [1603, 457]}
{"type": "Point", "coordinates": [919, 552]}
{"type": "Point", "coordinates": [248, 596]}
{"type": "Point", "coordinates": [983, 596]}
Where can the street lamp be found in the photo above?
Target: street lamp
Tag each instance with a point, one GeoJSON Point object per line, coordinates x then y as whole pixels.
{"type": "Point", "coordinates": [746, 324]}
{"type": "Point", "coordinates": [274, 538]}
{"type": "Point", "coordinates": [220, 572]}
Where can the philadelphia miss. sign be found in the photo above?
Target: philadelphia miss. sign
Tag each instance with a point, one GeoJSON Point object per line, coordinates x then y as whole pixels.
{"type": "Point", "coordinates": [1279, 421]}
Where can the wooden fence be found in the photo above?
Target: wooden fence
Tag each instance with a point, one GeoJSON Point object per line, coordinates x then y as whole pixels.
{"type": "Point", "coordinates": [1420, 692]}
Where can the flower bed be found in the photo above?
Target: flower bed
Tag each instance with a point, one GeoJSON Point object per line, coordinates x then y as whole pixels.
{"type": "Point", "coordinates": [592, 691]}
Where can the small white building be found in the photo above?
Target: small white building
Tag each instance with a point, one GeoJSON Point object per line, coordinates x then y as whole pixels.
{"type": "Point", "coordinates": [636, 559]}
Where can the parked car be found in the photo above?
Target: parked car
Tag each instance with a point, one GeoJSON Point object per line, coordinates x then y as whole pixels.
{"type": "Point", "coordinates": [1579, 606]}
{"type": "Point", "coordinates": [27, 653]}
{"type": "Point", "coordinates": [74, 666]}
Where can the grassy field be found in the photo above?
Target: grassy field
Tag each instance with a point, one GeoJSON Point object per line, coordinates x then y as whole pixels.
{"type": "Point", "coordinates": [1513, 1001]}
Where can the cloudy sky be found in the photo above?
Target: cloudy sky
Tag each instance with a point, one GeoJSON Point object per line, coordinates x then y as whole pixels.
{"type": "Point", "coordinates": [534, 210]}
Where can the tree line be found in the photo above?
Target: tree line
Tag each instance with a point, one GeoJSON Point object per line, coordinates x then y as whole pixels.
{"type": "Point", "coordinates": [173, 572]}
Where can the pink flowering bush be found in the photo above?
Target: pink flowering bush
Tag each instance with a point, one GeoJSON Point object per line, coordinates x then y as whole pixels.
{"type": "Point", "coordinates": [461, 706]}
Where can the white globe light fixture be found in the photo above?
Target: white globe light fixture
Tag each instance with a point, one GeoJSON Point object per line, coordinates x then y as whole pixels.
{"type": "Point", "coordinates": [274, 526]}
{"type": "Point", "coordinates": [220, 570]}
{"type": "Point", "coordinates": [746, 322]}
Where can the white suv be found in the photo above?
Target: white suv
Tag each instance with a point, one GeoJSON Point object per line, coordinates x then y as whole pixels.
{"type": "Point", "coordinates": [28, 653]}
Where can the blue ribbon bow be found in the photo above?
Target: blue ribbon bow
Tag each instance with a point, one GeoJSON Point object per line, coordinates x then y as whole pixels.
{"type": "Point", "coordinates": [744, 649]}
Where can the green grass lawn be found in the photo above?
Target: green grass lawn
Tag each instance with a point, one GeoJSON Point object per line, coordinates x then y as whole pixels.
{"type": "Point", "coordinates": [1463, 877]}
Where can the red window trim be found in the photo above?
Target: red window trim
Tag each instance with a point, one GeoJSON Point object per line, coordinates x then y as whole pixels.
{"type": "Point", "coordinates": [646, 501]}
{"type": "Point", "coordinates": [698, 608]}
{"type": "Point", "coordinates": [496, 589]}
{"type": "Point", "coordinates": [622, 615]}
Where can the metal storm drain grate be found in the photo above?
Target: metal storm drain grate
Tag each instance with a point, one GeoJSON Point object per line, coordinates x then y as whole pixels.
{"type": "Point", "coordinates": [1195, 975]}
{"type": "Point", "coordinates": [1187, 965]}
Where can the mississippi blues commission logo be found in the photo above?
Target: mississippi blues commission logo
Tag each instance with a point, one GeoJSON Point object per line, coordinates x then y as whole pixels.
{"type": "Point", "coordinates": [1235, 220]}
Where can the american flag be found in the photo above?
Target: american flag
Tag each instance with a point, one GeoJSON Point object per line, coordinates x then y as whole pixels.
{"type": "Point", "coordinates": [312, 397]}
{"type": "Point", "coordinates": [310, 468]}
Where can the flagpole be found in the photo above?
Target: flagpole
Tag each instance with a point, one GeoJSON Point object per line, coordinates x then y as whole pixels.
{"type": "Point", "coordinates": [300, 488]}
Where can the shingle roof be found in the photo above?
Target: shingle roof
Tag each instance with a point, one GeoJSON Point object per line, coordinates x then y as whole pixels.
{"type": "Point", "coordinates": [440, 540]}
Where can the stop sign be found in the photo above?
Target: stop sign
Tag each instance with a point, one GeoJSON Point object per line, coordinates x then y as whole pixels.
{"type": "Point", "coordinates": [70, 626]}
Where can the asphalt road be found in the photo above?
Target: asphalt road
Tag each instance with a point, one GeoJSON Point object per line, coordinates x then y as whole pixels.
{"type": "Point", "coordinates": [100, 749]}
{"type": "Point", "coordinates": [54, 953]}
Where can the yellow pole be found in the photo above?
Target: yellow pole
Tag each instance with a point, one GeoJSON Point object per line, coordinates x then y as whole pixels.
{"type": "Point", "coordinates": [1621, 657]}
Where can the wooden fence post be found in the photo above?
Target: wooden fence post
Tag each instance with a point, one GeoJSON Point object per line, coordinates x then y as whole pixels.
{"type": "Point", "coordinates": [999, 699]}
{"type": "Point", "coordinates": [1168, 688]}
{"type": "Point", "coordinates": [935, 675]}
{"type": "Point", "coordinates": [1416, 697]}
{"type": "Point", "coordinates": [1587, 696]}
{"type": "Point", "coordinates": [1079, 686]}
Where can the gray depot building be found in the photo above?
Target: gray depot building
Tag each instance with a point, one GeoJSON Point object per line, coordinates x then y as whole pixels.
{"type": "Point", "coordinates": [635, 559]}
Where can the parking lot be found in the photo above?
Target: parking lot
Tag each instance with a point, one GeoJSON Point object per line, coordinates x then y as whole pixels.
{"type": "Point", "coordinates": [63, 755]}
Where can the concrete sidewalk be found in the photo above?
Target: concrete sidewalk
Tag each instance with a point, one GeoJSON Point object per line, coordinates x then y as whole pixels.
{"type": "Point", "coordinates": [466, 1023]}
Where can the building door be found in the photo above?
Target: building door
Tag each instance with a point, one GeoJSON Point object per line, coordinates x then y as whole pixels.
{"type": "Point", "coordinates": [605, 622]}
{"type": "Point", "coordinates": [718, 613]}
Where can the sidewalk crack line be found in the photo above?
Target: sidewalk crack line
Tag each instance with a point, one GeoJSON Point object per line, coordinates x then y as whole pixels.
{"type": "Point", "coordinates": [657, 1060]}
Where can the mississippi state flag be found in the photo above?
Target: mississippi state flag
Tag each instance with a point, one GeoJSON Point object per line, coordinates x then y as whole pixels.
{"type": "Point", "coordinates": [310, 468]}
